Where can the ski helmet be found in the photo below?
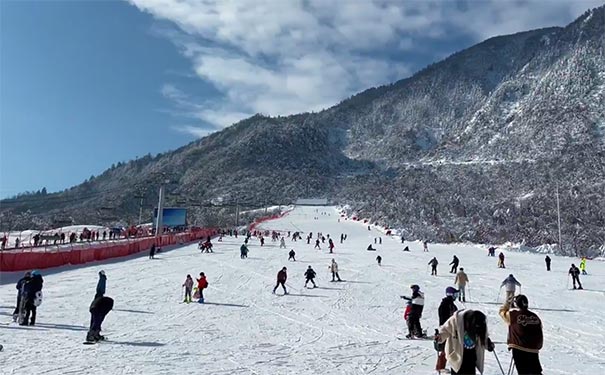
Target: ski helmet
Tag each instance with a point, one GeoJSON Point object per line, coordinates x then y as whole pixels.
{"type": "Point", "coordinates": [521, 302]}
{"type": "Point", "coordinates": [451, 291]}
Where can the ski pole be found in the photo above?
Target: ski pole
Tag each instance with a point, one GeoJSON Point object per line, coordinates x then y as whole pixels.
{"type": "Point", "coordinates": [497, 360]}
{"type": "Point", "coordinates": [510, 367]}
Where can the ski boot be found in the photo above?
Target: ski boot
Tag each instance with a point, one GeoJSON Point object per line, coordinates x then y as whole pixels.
{"type": "Point", "coordinates": [201, 300]}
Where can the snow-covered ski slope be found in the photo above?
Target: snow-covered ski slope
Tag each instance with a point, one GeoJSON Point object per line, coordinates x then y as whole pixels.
{"type": "Point", "coordinates": [349, 327]}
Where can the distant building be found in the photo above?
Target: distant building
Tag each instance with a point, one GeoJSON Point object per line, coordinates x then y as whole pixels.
{"type": "Point", "coordinates": [312, 202]}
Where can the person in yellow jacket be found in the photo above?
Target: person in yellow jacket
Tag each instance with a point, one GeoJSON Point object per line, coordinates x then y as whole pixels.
{"type": "Point", "coordinates": [525, 337]}
{"type": "Point", "coordinates": [583, 266]}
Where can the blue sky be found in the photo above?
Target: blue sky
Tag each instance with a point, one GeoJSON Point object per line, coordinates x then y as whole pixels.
{"type": "Point", "coordinates": [84, 84]}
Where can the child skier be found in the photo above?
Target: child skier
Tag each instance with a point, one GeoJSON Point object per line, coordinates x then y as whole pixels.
{"type": "Point", "coordinates": [282, 243]}
{"type": "Point", "coordinates": [188, 284]}
{"type": "Point", "coordinates": [309, 276]}
{"type": "Point", "coordinates": [317, 244]}
{"type": "Point", "coordinates": [243, 251]}
{"type": "Point", "coordinates": [417, 299]}
{"type": "Point", "coordinates": [202, 284]}
{"type": "Point", "coordinates": [291, 255]}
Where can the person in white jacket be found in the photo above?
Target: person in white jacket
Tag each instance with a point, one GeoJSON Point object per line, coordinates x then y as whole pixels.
{"type": "Point", "coordinates": [334, 269]}
{"type": "Point", "coordinates": [510, 285]}
{"type": "Point", "coordinates": [466, 338]}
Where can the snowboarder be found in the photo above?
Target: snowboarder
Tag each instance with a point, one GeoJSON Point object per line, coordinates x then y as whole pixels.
{"type": "Point", "coordinates": [525, 335]}
{"type": "Point", "coordinates": [291, 255]}
{"type": "Point", "coordinates": [309, 276]}
{"type": "Point", "coordinates": [282, 276]}
{"type": "Point", "coordinates": [583, 266]}
{"type": "Point", "coordinates": [20, 309]}
{"type": "Point", "coordinates": [317, 244]}
{"type": "Point", "coordinates": [406, 248]}
{"type": "Point", "coordinates": [466, 338]}
{"type": "Point", "coordinates": [99, 308]}
{"type": "Point", "coordinates": [379, 260]}
{"type": "Point", "coordinates": [282, 243]}
{"type": "Point", "coordinates": [243, 251]}
{"type": "Point", "coordinates": [417, 299]}
{"type": "Point", "coordinates": [370, 248]}
{"type": "Point", "coordinates": [454, 264]}
{"type": "Point", "coordinates": [547, 260]}
{"type": "Point", "coordinates": [202, 284]}
{"type": "Point", "coordinates": [32, 293]}
{"type": "Point", "coordinates": [575, 276]}
{"type": "Point", "coordinates": [433, 262]}
{"type": "Point", "coordinates": [425, 246]}
{"type": "Point", "coordinates": [460, 281]}
{"type": "Point", "coordinates": [447, 308]}
{"type": "Point", "coordinates": [152, 251]}
{"type": "Point", "coordinates": [334, 269]}
{"type": "Point", "coordinates": [501, 260]}
{"type": "Point", "coordinates": [511, 285]}
{"type": "Point", "coordinates": [331, 245]}
{"type": "Point", "coordinates": [188, 285]}
{"type": "Point", "coordinates": [101, 284]}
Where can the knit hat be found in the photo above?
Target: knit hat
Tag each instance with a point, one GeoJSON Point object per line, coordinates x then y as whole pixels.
{"type": "Point", "coordinates": [451, 291]}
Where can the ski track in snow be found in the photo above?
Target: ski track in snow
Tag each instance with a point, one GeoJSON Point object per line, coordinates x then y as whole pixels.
{"type": "Point", "coordinates": [348, 327]}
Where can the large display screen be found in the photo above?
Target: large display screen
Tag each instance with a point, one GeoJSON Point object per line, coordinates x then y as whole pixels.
{"type": "Point", "coordinates": [172, 217]}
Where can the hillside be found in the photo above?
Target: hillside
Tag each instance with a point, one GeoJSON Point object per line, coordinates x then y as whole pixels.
{"type": "Point", "coordinates": [470, 148]}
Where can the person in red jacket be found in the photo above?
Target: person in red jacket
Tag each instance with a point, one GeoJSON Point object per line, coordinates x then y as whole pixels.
{"type": "Point", "coordinates": [282, 276]}
{"type": "Point", "coordinates": [202, 284]}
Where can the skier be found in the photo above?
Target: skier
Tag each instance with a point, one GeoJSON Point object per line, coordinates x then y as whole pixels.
{"type": "Point", "coordinates": [547, 260]}
{"type": "Point", "coordinates": [447, 308]}
{"type": "Point", "coordinates": [32, 293]}
{"type": "Point", "coordinates": [466, 338]}
{"type": "Point", "coordinates": [402, 239]}
{"type": "Point", "coordinates": [380, 240]}
{"type": "Point", "coordinates": [511, 285]}
{"type": "Point", "coordinates": [262, 241]}
{"type": "Point", "coordinates": [99, 308]}
{"type": "Point", "coordinates": [188, 285]}
{"type": "Point", "coordinates": [417, 299]}
{"type": "Point", "coordinates": [202, 284]}
{"type": "Point", "coordinates": [101, 284]}
{"type": "Point", "coordinates": [342, 237]}
{"type": "Point", "coordinates": [282, 276]}
{"type": "Point", "coordinates": [309, 276]}
{"type": "Point", "coordinates": [243, 251]}
{"type": "Point", "coordinates": [501, 260]}
{"type": "Point", "coordinates": [334, 269]}
{"type": "Point", "coordinates": [460, 281]}
{"type": "Point", "coordinates": [282, 243]}
{"type": "Point", "coordinates": [425, 246]}
{"type": "Point", "coordinates": [152, 251]}
{"type": "Point", "coordinates": [433, 262]}
{"type": "Point", "coordinates": [575, 276]}
{"type": "Point", "coordinates": [379, 260]}
{"type": "Point", "coordinates": [20, 291]}
{"type": "Point", "coordinates": [331, 245]}
{"type": "Point", "coordinates": [525, 335]}
{"type": "Point", "coordinates": [291, 255]}
{"type": "Point", "coordinates": [317, 244]}
{"type": "Point", "coordinates": [454, 264]}
{"type": "Point", "coordinates": [583, 266]}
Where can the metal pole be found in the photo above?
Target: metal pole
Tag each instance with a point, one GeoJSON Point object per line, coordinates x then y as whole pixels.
{"type": "Point", "coordinates": [140, 210]}
{"type": "Point", "coordinates": [159, 224]}
{"type": "Point", "coordinates": [559, 219]}
{"type": "Point", "coordinates": [236, 214]}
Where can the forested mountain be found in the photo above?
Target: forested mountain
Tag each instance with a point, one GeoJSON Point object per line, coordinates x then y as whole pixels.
{"type": "Point", "coordinates": [471, 148]}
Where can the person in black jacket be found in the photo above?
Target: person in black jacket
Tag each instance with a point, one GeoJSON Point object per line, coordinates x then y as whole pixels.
{"type": "Point", "coordinates": [454, 264]}
{"type": "Point", "coordinates": [292, 255]}
{"type": "Point", "coordinates": [310, 275]}
{"type": "Point", "coordinates": [99, 308]}
{"type": "Point", "coordinates": [152, 251]}
{"type": "Point", "coordinates": [30, 293]}
{"type": "Point", "coordinates": [417, 299]}
{"type": "Point", "coordinates": [547, 260]}
{"type": "Point", "coordinates": [20, 291]}
{"type": "Point", "coordinates": [447, 308]}
{"type": "Point", "coordinates": [575, 276]}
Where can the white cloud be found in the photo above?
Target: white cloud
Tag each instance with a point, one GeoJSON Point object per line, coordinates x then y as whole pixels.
{"type": "Point", "coordinates": [195, 131]}
{"type": "Point", "coordinates": [282, 57]}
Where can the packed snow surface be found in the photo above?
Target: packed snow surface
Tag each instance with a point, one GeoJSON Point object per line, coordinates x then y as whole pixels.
{"type": "Point", "coordinates": [349, 327]}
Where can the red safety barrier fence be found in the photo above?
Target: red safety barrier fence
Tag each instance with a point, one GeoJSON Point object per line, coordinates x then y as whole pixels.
{"type": "Point", "coordinates": [11, 261]}
{"type": "Point", "coordinates": [261, 220]}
